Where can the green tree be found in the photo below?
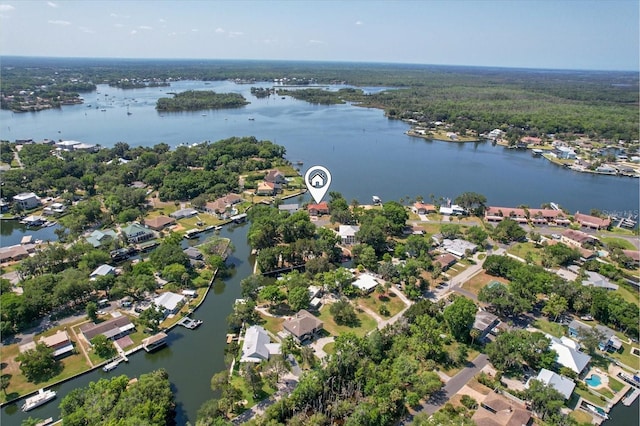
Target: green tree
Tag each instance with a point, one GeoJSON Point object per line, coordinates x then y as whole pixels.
{"type": "Point", "coordinates": [92, 309]}
{"type": "Point", "coordinates": [473, 202]}
{"type": "Point", "coordinates": [38, 365]}
{"type": "Point", "coordinates": [151, 317]}
{"type": "Point", "coordinates": [343, 313]}
{"type": "Point", "coordinates": [103, 346]}
{"type": "Point", "coordinates": [545, 400]}
{"type": "Point", "coordinates": [5, 381]}
{"type": "Point", "coordinates": [298, 298]}
{"type": "Point", "coordinates": [508, 230]}
{"type": "Point", "coordinates": [459, 317]}
{"type": "Point", "coordinates": [555, 306]}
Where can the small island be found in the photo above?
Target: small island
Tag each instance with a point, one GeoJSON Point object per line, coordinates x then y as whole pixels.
{"type": "Point", "coordinates": [196, 100]}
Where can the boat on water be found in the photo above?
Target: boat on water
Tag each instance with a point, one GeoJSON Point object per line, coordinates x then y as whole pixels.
{"type": "Point", "coordinates": [376, 200]}
{"type": "Point", "coordinates": [596, 410]}
{"type": "Point", "coordinates": [42, 397]}
{"type": "Point", "coordinates": [112, 365]}
{"type": "Point", "coordinates": [218, 228]}
{"type": "Point", "coordinates": [192, 233]}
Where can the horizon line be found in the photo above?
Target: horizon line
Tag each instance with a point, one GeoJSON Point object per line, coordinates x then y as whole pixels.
{"type": "Point", "coordinates": [513, 67]}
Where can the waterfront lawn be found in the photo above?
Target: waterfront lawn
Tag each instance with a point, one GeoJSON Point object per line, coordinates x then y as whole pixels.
{"type": "Point", "coordinates": [272, 324]}
{"type": "Point", "coordinates": [552, 328]}
{"type": "Point", "coordinates": [365, 323]}
{"type": "Point", "coordinates": [374, 301]}
{"type": "Point", "coordinates": [626, 357]}
{"type": "Point", "coordinates": [589, 396]}
{"type": "Point", "coordinates": [480, 280]}
{"type": "Point", "coordinates": [523, 249]}
{"type": "Point", "coordinates": [581, 417]}
{"type": "Point", "coordinates": [615, 385]}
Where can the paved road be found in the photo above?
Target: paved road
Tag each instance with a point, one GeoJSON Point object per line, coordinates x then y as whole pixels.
{"type": "Point", "coordinates": [454, 385]}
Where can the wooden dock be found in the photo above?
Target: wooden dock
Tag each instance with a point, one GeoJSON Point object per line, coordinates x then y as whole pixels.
{"type": "Point", "coordinates": [628, 400]}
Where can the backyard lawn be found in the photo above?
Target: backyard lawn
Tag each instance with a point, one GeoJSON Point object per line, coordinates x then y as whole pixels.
{"type": "Point", "coordinates": [626, 357]}
{"type": "Point", "coordinates": [373, 301]}
{"type": "Point", "coordinates": [480, 280]}
{"type": "Point", "coordinates": [523, 249]}
{"type": "Point", "coordinates": [552, 328]}
{"type": "Point", "coordinates": [365, 323]}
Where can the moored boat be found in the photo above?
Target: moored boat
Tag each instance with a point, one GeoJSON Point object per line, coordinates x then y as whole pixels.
{"type": "Point", "coordinates": [42, 397]}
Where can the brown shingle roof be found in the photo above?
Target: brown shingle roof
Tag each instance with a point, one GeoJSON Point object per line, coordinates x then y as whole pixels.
{"type": "Point", "coordinates": [159, 222]}
{"type": "Point", "coordinates": [302, 323]}
{"type": "Point", "coordinates": [107, 327]}
{"type": "Point", "coordinates": [496, 410]}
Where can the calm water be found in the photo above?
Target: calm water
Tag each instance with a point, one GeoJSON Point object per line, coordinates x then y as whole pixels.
{"type": "Point", "coordinates": [366, 154]}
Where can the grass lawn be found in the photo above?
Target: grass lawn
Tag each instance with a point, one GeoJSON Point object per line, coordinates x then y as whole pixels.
{"type": "Point", "coordinates": [329, 348]}
{"type": "Point", "coordinates": [615, 385]}
{"type": "Point", "coordinates": [247, 394]}
{"type": "Point", "coordinates": [552, 328]}
{"type": "Point", "coordinates": [581, 417]}
{"type": "Point", "coordinates": [480, 280]}
{"type": "Point", "coordinates": [628, 295]}
{"type": "Point", "coordinates": [618, 242]}
{"type": "Point", "coordinates": [606, 392]}
{"type": "Point", "coordinates": [626, 357]}
{"type": "Point", "coordinates": [373, 302]}
{"type": "Point", "coordinates": [366, 323]}
{"type": "Point", "coordinates": [523, 249]}
{"type": "Point", "coordinates": [589, 396]}
{"type": "Point", "coordinates": [272, 324]}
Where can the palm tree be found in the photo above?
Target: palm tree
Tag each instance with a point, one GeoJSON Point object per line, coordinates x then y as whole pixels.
{"type": "Point", "coordinates": [474, 333]}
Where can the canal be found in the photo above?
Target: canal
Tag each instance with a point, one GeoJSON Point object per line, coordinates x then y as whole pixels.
{"type": "Point", "coordinates": [191, 357]}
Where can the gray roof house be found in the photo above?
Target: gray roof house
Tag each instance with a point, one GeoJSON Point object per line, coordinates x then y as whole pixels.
{"type": "Point", "coordinates": [568, 355]}
{"type": "Point", "coordinates": [257, 346]}
{"type": "Point", "coordinates": [102, 271]}
{"type": "Point", "coordinates": [562, 384]}
{"type": "Point", "coordinates": [594, 279]}
{"type": "Point", "coordinates": [98, 238]}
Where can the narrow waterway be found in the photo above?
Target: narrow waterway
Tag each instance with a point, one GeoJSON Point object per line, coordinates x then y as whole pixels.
{"type": "Point", "coordinates": [191, 357]}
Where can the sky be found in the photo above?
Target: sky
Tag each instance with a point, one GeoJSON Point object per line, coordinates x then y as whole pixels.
{"type": "Point", "coordinates": [556, 34]}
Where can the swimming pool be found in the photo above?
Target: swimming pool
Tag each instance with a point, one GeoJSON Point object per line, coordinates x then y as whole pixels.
{"type": "Point", "coordinates": [594, 381]}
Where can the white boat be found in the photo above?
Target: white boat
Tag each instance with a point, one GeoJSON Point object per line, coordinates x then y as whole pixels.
{"type": "Point", "coordinates": [42, 397]}
{"type": "Point", "coordinates": [376, 200]}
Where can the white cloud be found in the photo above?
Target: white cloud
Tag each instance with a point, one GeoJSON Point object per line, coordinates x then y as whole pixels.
{"type": "Point", "coordinates": [219, 30]}
{"type": "Point", "coordinates": [133, 32]}
{"type": "Point", "coordinates": [162, 21]}
{"type": "Point", "coordinates": [59, 22]}
{"type": "Point", "coordinates": [145, 27]}
{"type": "Point", "coordinates": [51, 4]}
{"type": "Point", "coordinates": [6, 7]}
{"type": "Point", "coordinates": [118, 25]}
{"type": "Point", "coordinates": [234, 34]}
{"type": "Point", "coordinates": [316, 42]}
{"type": "Point", "coordinates": [194, 30]}
{"type": "Point", "coordinates": [359, 23]}
{"type": "Point", "coordinates": [113, 15]}
{"type": "Point", "coordinates": [172, 34]}
{"type": "Point", "coordinates": [86, 30]}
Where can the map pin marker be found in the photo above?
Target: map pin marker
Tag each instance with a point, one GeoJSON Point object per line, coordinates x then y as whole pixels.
{"type": "Point", "coordinates": [317, 180]}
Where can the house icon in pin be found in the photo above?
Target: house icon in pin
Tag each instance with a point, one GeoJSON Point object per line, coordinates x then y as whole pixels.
{"type": "Point", "coordinates": [317, 180]}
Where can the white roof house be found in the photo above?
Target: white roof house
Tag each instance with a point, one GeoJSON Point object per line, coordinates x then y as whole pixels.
{"type": "Point", "coordinates": [458, 247]}
{"type": "Point", "coordinates": [365, 282]}
{"type": "Point", "coordinates": [568, 356]}
{"type": "Point", "coordinates": [169, 301]}
{"type": "Point", "coordinates": [453, 210]}
{"type": "Point", "coordinates": [347, 233]}
{"type": "Point", "coordinates": [102, 271]}
{"type": "Point", "coordinates": [257, 345]}
{"type": "Point", "coordinates": [560, 383]}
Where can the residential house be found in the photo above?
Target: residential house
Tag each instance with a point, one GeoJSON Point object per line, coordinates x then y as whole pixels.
{"type": "Point", "coordinates": [137, 233]}
{"type": "Point", "coordinates": [594, 279]}
{"type": "Point", "coordinates": [99, 238]}
{"type": "Point", "coordinates": [102, 271]}
{"type": "Point", "coordinates": [592, 222]}
{"type": "Point", "coordinates": [498, 410]}
{"type": "Point", "coordinates": [223, 206]}
{"type": "Point", "coordinates": [633, 257]}
{"type": "Point", "coordinates": [170, 303]}
{"type": "Point", "coordinates": [318, 209]}
{"type": "Point", "coordinates": [275, 176]}
{"type": "Point", "coordinates": [459, 247]}
{"type": "Point", "coordinates": [421, 208]}
{"type": "Point", "coordinates": [565, 153]}
{"type": "Point", "coordinates": [266, 188]}
{"type": "Point", "coordinates": [184, 213]}
{"type": "Point", "coordinates": [452, 210]}
{"type": "Point", "coordinates": [497, 214]}
{"type": "Point", "coordinates": [445, 260]}
{"type": "Point", "coordinates": [27, 200]}
{"type": "Point", "coordinates": [562, 384]}
{"type": "Point", "coordinates": [54, 208]}
{"type": "Point", "coordinates": [303, 326]}
{"type": "Point", "coordinates": [574, 238]}
{"type": "Point", "coordinates": [12, 253]}
{"type": "Point", "coordinates": [608, 341]}
{"type": "Point", "coordinates": [193, 253]}
{"type": "Point", "coordinates": [112, 329]}
{"type": "Point", "coordinates": [484, 323]}
{"type": "Point", "coordinates": [606, 169]}
{"type": "Point", "coordinates": [568, 354]}
{"type": "Point", "coordinates": [257, 346]}
{"type": "Point", "coordinates": [59, 342]}
{"type": "Point", "coordinates": [365, 283]}
{"type": "Point", "coordinates": [289, 208]}
{"type": "Point", "coordinates": [495, 134]}
{"type": "Point", "coordinates": [158, 223]}
{"type": "Point", "coordinates": [347, 234]}
{"type": "Point", "coordinates": [529, 140]}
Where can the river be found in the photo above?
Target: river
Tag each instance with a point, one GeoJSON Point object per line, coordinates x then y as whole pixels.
{"type": "Point", "coordinates": [366, 153]}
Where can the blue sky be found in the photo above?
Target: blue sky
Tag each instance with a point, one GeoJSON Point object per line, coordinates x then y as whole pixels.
{"type": "Point", "coordinates": [563, 34]}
